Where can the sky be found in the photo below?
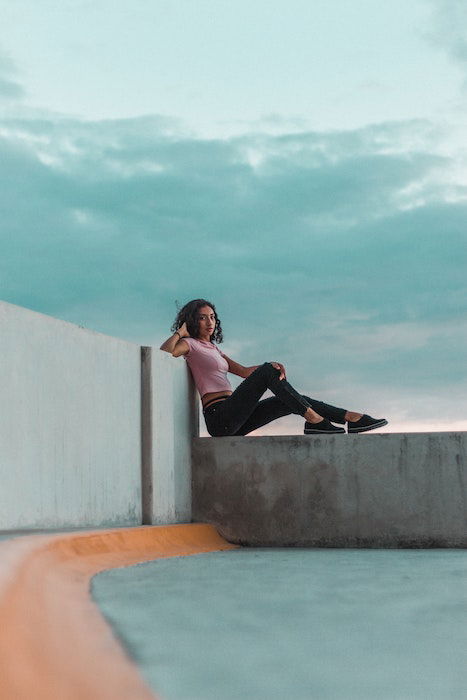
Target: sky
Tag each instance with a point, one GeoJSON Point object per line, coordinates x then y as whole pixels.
{"type": "Point", "coordinates": [301, 164]}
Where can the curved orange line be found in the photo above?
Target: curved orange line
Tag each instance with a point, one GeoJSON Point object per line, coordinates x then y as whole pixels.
{"type": "Point", "coordinates": [54, 642]}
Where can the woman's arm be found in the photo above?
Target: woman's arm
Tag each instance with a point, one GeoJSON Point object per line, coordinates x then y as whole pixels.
{"type": "Point", "coordinates": [245, 372]}
{"type": "Point", "coordinates": [238, 369]}
{"type": "Point", "coordinates": [175, 344]}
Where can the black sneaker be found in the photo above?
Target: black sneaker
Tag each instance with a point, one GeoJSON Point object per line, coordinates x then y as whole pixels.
{"type": "Point", "coordinates": [365, 423]}
{"type": "Point", "coordinates": [323, 427]}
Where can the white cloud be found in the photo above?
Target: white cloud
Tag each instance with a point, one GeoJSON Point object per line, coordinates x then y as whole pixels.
{"type": "Point", "coordinates": [307, 255]}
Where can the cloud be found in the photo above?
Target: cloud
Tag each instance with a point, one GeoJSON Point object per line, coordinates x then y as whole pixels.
{"type": "Point", "coordinates": [449, 29]}
{"type": "Point", "coordinates": [10, 89]}
{"type": "Point", "coordinates": [342, 254]}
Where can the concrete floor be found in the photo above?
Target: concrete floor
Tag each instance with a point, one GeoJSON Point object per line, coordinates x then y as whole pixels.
{"type": "Point", "coordinates": [304, 624]}
{"type": "Point", "coordinates": [11, 534]}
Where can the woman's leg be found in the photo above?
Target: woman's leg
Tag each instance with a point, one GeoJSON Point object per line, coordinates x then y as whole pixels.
{"type": "Point", "coordinates": [226, 417]}
{"type": "Point", "coordinates": [230, 416]}
{"type": "Point", "coordinates": [336, 415]}
{"type": "Point", "coordinates": [270, 409]}
{"type": "Point", "coordinates": [266, 411]}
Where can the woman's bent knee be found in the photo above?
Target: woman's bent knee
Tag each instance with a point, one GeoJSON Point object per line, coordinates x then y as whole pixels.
{"type": "Point", "coordinates": [268, 368]}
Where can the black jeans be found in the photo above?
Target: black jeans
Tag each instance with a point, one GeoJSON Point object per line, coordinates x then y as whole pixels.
{"type": "Point", "coordinates": [243, 412]}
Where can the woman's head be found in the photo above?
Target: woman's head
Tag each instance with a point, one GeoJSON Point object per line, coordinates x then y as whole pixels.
{"type": "Point", "coordinates": [199, 311]}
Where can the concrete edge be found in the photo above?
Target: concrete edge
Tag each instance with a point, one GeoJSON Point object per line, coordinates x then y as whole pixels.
{"type": "Point", "coordinates": [55, 643]}
{"type": "Point", "coordinates": [55, 319]}
{"type": "Point", "coordinates": [147, 486]}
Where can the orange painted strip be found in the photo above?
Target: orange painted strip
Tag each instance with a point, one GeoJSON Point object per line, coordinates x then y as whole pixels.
{"type": "Point", "coordinates": [54, 643]}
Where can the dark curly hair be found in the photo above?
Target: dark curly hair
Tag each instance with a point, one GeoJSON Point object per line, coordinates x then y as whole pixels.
{"type": "Point", "coordinates": [189, 314]}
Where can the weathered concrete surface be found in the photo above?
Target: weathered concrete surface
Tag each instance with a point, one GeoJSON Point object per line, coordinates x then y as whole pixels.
{"type": "Point", "coordinates": [94, 431]}
{"type": "Point", "coordinates": [70, 424]}
{"type": "Point", "coordinates": [305, 624]}
{"type": "Point", "coordinates": [170, 421]}
{"type": "Point", "coordinates": [384, 490]}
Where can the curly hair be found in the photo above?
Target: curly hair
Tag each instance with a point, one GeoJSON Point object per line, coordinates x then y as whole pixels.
{"type": "Point", "coordinates": [189, 314]}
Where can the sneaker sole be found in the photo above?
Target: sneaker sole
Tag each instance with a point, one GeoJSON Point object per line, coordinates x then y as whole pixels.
{"type": "Point", "coordinates": [323, 432]}
{"type": "Point", "coordinates": [366, 428]}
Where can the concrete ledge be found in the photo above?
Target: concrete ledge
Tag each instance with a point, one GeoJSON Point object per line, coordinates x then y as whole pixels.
{"type": "Point", "coordinates": [54, 642]}
{"type": "Point", "coordinates": [381, 490]}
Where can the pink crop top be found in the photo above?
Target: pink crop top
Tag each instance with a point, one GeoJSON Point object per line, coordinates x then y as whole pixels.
{"type": "Point", "coordinates": [208, 366]}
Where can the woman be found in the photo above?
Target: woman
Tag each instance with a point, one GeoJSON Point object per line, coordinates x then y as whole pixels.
{"type": "Point", "coordinates": [196, 330]}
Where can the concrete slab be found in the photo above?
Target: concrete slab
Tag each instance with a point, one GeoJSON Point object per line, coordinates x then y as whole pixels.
{"type": "Point", "coordinates": [385, 490]}
{"type": "Point", "coordinates": [261, 624]}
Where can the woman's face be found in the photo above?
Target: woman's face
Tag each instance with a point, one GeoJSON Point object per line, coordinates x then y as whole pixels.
{"type": "Point", "coordinates": [206, 321]}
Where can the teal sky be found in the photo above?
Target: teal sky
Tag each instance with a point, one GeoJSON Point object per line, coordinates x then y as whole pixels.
{"type": "Point", "coordinates": [303, 164]}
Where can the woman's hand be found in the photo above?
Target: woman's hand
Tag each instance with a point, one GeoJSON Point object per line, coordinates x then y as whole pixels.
{"type": "Point", "coordinates": [174, 344]}
{"type": "Point", "coordinates": [183, 331]}
{"type": "Point", "coordinates": [280, 367]}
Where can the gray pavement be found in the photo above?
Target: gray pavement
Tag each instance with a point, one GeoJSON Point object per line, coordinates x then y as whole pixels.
{"type": "Point", "coordinates": [11, 534]}
{"type": "Point", "coordinates": [298, 623]}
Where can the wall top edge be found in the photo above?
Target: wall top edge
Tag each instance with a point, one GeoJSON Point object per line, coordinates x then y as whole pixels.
{"type": "Point", "coordinates": [15, 308]}
{"type": "Point", "coordinates": [304, 438]}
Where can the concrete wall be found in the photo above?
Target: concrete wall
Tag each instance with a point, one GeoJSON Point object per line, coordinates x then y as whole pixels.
{"type": "Point", "coordinates": [70, 437]}
{"type": "Point", "coordinates": [381, 490]}
{"type": "Point", "coordinates": [171, 410]}
{"type": "Point", "coordinates": [92, 428]}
